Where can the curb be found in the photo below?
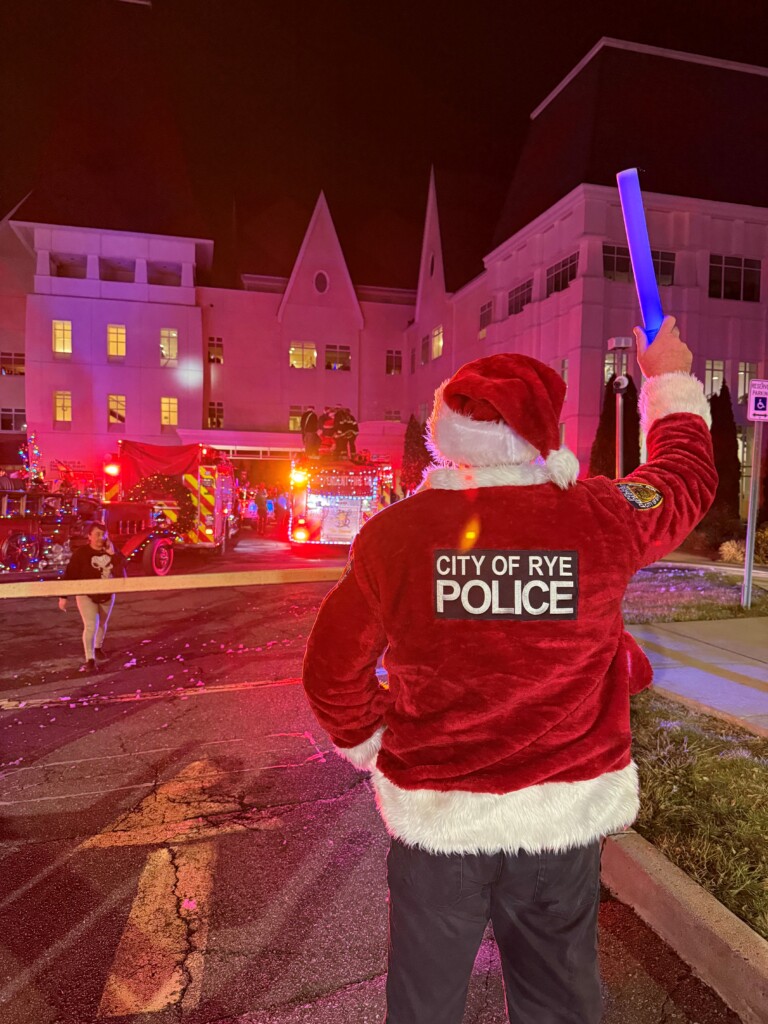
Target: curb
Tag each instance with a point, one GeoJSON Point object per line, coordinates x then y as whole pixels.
{"type": "Point", "coordinates": [719, 947]}
{"type": "Point", "coordinates": [712, 712]}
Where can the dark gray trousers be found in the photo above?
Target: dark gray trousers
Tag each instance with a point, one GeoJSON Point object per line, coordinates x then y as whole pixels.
{"type": "Point", "coordinates": [544, 912]}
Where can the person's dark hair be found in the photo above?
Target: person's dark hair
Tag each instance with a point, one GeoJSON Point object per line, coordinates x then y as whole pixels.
{"type": "Point", "coordinates": [94, 525]}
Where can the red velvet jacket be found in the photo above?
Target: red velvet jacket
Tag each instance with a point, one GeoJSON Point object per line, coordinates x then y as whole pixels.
{"type": "Point", "coordinates": [506, 720]}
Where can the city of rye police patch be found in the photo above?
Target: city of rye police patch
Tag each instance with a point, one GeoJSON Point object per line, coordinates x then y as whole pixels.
{"type": "Point", "coordinates": [641, 496]}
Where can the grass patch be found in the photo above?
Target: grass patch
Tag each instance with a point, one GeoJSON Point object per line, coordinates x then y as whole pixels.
{"type": "Point", "coordinates": [704, 804]}
{"type": "Point", "coordinates": [663, 594]}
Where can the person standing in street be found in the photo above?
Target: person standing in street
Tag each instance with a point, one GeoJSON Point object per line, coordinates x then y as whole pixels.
{"type": "Point", "coordinates": [96, 560]}
{"type": "Point", "coordinates": [500, 748]}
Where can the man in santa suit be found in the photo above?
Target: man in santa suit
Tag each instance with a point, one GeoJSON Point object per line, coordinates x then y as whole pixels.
{"type": "Point", "coordinates": [500, 750]}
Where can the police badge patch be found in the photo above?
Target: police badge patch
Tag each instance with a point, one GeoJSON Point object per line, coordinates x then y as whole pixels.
{"type": "Point", "coordinates": [641, 496]}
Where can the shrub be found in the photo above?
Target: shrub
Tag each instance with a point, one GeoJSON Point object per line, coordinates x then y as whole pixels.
{"type": "Point", "coordinates": [732, 551]}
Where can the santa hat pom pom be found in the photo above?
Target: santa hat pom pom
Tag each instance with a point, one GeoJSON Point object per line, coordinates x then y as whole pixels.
{"type": "Point", "coordinates": [563, 467]}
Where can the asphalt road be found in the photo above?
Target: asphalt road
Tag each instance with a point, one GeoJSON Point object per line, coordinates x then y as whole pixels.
{"type": "Point", "coordinates": [179, 842]}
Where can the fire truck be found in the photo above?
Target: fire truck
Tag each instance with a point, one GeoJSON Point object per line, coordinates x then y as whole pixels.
{"type": "Point", "coordinates": [191, 490]}
{"type": "Point", "coordinates": [332, 498]}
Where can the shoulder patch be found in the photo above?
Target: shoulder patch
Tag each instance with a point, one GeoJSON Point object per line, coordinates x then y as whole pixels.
{"type": "Point", "coordinates": [641, 496]}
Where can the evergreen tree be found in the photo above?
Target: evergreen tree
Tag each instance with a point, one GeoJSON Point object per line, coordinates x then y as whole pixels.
{"type": "Point", "coordinates": [725, 443]}
{"type": "Point", "coordinates": [602, 459]}
{"type": "Point", "coordinates": [416, 457]}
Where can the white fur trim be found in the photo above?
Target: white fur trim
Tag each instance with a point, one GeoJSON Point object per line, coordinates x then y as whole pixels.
{"type": "Point", "coordinates": [672, 392]}
{"type": "Point", "coordinates": [452, 437]}
{"type": "Point", "coordinates": [364, 754]}
{"type": "Point", "coordinates": [470, 477]}
{"type": "Point", "coordinates": [551, 816]}
{"type": "Point", "coordinates": [563, 467]}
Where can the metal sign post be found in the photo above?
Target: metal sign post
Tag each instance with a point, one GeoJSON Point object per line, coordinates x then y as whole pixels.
{"type": "Point", "coordinates": [620, 385]}
{"type": "Point", "coordinates": [757, 413]}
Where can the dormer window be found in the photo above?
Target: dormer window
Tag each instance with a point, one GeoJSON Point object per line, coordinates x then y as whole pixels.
{"type": "Point", "coordinates": [321, 282]}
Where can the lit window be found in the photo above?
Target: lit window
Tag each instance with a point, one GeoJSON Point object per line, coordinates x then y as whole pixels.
{"type": "Point", "coordinates": [394, 362]}
{"type": "Point", "coordinates": [562, 434]}
{"type": "Point", "coordinates": [215, 415]}
{"type": "Point", "coordinates": [116, 410]}
{"type": "Point", "coordinates": [62, 406]}
{"type": "Point", "coordinates": [714, 370]}
{"type": "Point", "coordinates": [169, 412]}
{"type": "Point", "coordinates": [564, 370]}
{"type": "Point", "coordinates": [423, 412]}
{"type": "Point", "coordinates": [62, 337]}
{"type": "Point", "coordinates": [338, 357]}
{"type": "Point", "coordinates": [560, 275]}
{"type": "Point", "coordinates": [215, 350]}
{"type": "Point", "coordinates": [425, 350]}
{"type": "Point", "coordinates": [302, 355]}
{"type": "Point", "coordinates": [747, 373]}
{"type": "Point", "coordinates": [437, 342]}
{"type": "Point", "coordinates": [13, 419]}
{"type": "Point", "coordinates": [12, 364]}
{"type": "Point", "coordinates": [519, 297]}
{"type": "Point", "coordinates": [486, 316]}
{"type": "Point", "coordinates": [169, 346]}
{"type": "Point", "coordinates": [115, 340]}
{"type": "Point", "coordinates": [295, 413]}
{"type": "Point", "coordinates": [731, 277]}
{"type": "Point", "coordinates": [614, 364]}
{"type": "Point", "coordinates": [392, 415]}
{"type": "Point", "coordinates": [413, 360]}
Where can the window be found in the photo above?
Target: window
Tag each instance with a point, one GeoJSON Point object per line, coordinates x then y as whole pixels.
{"type": "Point", "coordinates": [616, 264]}
{"type": "Point", "coordinates": [62, 337]}
{"type": "Point", "coordinates": [664, 266]}
{"type": "Point", "coordinates": [747, 373]}
{"type": "Point", "coordinates": [13, 419]}
{"type": "Point", "coordinates": [215, 350]}
{"type": "Point", "coordinates": [116, 410]}
{"type": "Point", "coordinates": [437, 342]}
{"type": "Point", "coordinates": [392, 415]}
{"type": "Point", "coordinates": [321, 282]}
{"type": "Point", "coordinates": [294, 416]}
{"type": "Point", "coordinates": [614, 364]}
{"type": "Point", "coordinates": [519, 298]}
{"type": "Point", "coordinates": [423, 412]}
{"type": "Point", "coordinates": [486, 317]}
{"type": "Point", "coordinates": [215, 415]}
{"type": "Point", "coordinates": [425, 350]}
{"type": "Point", "coordinates": [115, 341]}
{"type": "Point", "coordinates": [12, 364]}
{"type": "Point", "coordinates": [62, 406]}
{"type": "Point", "coordinates": [394, 361]}
{"type": "Point", "coordinates": [303, 355]}
{"type": "Point", "coordinates": [338, 357]}
{"type": "Point", "coordinates": [560, 275]}
{"type": "Point", "coordinates": [413, 360]}
{"type": "Point", "coordinates": [713, 376]}
{"type": "Point", "coordinates": [564, 370]}
{"type": "Point", "coordinates": [169, 346]}
{"type": "Point", "coordinates": [731, 277]}
{"type": "Point", "coordinates": [169, 412]}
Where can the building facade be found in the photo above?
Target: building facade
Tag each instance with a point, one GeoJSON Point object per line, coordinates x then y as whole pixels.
{"type": "Point", "coordinates": [106, 334]}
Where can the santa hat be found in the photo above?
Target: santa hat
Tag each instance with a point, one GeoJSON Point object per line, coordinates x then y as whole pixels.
{"type": "Point", "coordinates": [502, 410]}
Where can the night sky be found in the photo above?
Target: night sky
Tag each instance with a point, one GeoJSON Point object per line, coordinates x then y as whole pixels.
{"type": "Point", "coordinates": [225, 118]}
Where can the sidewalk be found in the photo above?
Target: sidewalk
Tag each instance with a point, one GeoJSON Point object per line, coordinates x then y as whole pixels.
{"type": "Point", "coordinates": [721, 665]}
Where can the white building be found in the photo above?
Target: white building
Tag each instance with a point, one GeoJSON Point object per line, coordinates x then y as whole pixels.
{"type": "Point", "coordinates": [118, 340]}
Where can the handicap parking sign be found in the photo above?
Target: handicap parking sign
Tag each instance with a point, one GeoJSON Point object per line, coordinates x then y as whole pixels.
{"type": "Point", "coordinates": [757, 403]}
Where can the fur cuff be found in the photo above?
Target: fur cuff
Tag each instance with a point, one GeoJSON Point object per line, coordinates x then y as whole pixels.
{"type": "Point", "coordinates": [551, 816]}
{"type": "Point", "coordinates": [672, 392]}
{"type": "Point", "coordinates": [364, 754]}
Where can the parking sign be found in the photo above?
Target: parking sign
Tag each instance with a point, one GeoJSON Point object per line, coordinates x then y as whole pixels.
{"type": "Point", "coordinates": [757, 403]}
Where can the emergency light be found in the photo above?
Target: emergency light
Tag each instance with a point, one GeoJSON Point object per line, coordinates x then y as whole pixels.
{"type": "Point", "coordinates": [640, 251]}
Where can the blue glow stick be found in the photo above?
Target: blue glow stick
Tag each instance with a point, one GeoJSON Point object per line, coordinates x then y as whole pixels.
{"type": "Point", "coordinates": [640, 251]}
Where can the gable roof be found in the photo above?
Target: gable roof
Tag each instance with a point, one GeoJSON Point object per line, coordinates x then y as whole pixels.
{"type": "Point", "coordinates": [693, 125]}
